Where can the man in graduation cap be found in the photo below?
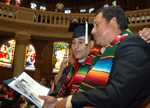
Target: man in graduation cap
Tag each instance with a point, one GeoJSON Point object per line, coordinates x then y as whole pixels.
{"type": "Point", "coordinates": [122, 71]}
{"type": "Point", "coordinates": [84, 52]}
{"type": "Point", "coordinates": [82, 43]}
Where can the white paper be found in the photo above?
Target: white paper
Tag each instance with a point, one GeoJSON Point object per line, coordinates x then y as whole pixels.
{"type": "Point", "coordinates": [29, 88]}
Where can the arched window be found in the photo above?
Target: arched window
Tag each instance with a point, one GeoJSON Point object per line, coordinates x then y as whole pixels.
{"type": "Point", "coordinates": [114, 3]}
{"type": "Point", "coordinates": [7, 2]}
{"type": "Point", "coordinates": [7, 54]}
{"type": "Point", "coordinates": [18, 2]}
{"type": "Point", "coordinates": [106, 5]}
{"type": "Point", "coordinates": [43, 8]}
{"type": "Point", "coordinates": [67, 11]}
{"type": "Point", "coordinates": [33, 5]}
{"type": "Point", "coordinates": [91, 10]}
{"type": "Point", "coordinates": [30, 58]}
{"type": "Point", "coordinates": [60, 50]}
{"type": "Point", "coordinates": [82, 10]}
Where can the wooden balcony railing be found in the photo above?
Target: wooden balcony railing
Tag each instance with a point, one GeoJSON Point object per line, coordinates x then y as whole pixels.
{"type": "Point", "coordinates": [140, 17]}
{"type": "Point", "coordinates": [42, 17]}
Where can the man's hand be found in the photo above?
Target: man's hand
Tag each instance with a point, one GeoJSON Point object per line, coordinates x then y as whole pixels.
{"type": "Point", "coordinates": [145, 34]}
{"type": "Point", "coordinates": [62, 103]}
{"type": "Point", "coordinates": [49, 101]}
{"type": "Point", "coordinates": [62, 67]}
{"type": "Point", "coordinates": [64, 63]}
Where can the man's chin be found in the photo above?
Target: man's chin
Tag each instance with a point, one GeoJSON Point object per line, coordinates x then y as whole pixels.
{"type": "Point", "coordinates": [79, 58]}
{"type": "Point", "coordinates": [98, 43]}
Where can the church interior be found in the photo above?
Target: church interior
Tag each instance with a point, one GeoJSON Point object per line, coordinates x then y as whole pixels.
{"type": "Point", "coordinates": [34, 37]}
{"type": "Point", "coordinates": [31, 31]}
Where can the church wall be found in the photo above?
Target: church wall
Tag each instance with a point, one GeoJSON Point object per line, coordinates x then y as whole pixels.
{"type": "Point", "coordinates": [42, 36]}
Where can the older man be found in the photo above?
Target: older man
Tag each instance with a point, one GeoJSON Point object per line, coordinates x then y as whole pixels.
{"type": "Point", "coordinates": [128, 84]}
{"type": "Point", "coordinates": [123, 67]}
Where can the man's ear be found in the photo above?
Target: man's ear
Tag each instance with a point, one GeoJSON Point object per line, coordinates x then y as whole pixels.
{"type": "Point", "coordinates": [92, 43]}
{"type": "Point", "coordinates": [113, 22]}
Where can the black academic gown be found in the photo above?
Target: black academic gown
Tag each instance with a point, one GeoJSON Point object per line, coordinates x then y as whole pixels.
{"type": "Point", "coordinates": [129, 81]}
{"type": "Point", "coordinates": [61, 80]}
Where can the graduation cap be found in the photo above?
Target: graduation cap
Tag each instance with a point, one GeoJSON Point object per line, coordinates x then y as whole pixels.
{"type": "Point", "coordinates": [81, 29]}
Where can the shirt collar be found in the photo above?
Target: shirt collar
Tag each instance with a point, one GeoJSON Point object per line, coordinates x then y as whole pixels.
{"type": "Point", "coordinates": [81, 60]}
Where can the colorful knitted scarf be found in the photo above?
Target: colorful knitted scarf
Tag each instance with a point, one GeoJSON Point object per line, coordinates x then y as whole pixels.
{"type": "Point", "coordinates": [76, 75]}
{"type": "Point", "coordinates": [99, 74]}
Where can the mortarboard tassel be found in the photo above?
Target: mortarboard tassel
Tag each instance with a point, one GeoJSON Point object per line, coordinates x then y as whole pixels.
{"type": "Point", "coordinates": [86, 33]}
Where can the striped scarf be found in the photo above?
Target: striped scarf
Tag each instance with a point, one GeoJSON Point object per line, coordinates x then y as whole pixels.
{"type": "Point", "coordinates": [76, 75]}
{"type": "Point", "coordinates": [99, 74]}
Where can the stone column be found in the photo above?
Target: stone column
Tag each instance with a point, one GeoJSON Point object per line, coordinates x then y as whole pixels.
{"type": "Point", "coordinates": [37, 64]}
{"type": "Point", "coordinates": [22, 39]}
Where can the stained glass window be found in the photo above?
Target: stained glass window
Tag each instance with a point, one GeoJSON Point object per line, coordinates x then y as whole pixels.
{"type": "Point", "coordinates": [91, 10]}
{"type": "Point", "coordinates": [60, 50]}
{"type": "Point", "coordinates": [43, 8]}
{"type": "Point", "coordinates": [33, 5]}
{"type": "Point", "coordinates": [7, 54]}
{"type": "Point", "coordinates": [30, 58]}
{"type": "Point", "coordinates": [7, 2]}
{"type": "Point", "coordinates": [114, 3]}
{"type": "Point", "coordinates": [106, 5]}
{"type": "Point", "coordinates": [67, 11]}
{"type": "Point", "coordinates": [18, 2]}
{"type": "Point", "coordinates": [82, 10]}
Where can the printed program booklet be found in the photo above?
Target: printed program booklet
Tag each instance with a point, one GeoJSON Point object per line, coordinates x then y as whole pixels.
{"type": "Point", "coordinates": [29, 88]}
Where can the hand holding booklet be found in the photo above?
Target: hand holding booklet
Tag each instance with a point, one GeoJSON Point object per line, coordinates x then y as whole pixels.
{"type": "Point", "coordinates": [29, 88]}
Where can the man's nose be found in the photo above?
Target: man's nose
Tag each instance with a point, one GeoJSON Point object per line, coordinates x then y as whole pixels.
{"type": "Point", "coordinates": [93, 31]}
{"type": "Point", "coordinates": [76, 45]}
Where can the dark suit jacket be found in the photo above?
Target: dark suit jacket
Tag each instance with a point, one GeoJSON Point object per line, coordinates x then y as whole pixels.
{"type": "Point", "coordinates": [129, 81]}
